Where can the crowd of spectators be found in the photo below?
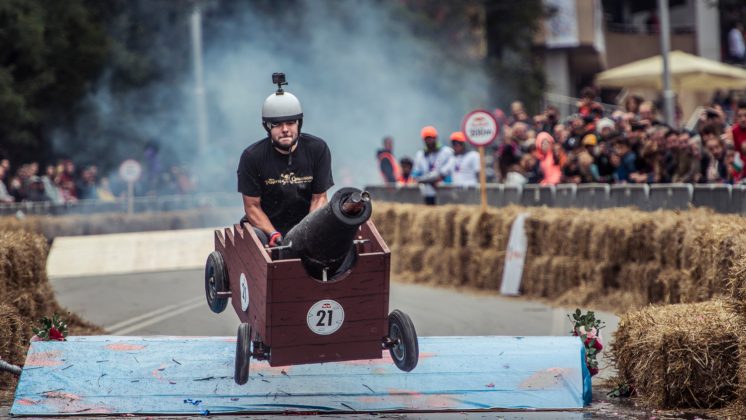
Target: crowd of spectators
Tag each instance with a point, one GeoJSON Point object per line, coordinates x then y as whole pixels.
{"type": "Point", "coordinates": [625, 144]}
{"type": "Point", "coordinates": [63, 183]}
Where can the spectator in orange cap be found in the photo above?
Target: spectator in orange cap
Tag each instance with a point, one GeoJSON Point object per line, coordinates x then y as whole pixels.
{"type": "Point", "coordinates": [465, 163]}
{"type": "Point", "coordinates": [432, 165]}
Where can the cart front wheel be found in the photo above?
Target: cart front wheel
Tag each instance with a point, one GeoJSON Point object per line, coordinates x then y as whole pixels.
{"type": "Point", "coordinates": [243, 354]}
{"type": "Point", "coordinates": [405, 350]}
{"type": "Point", "coordinates": [216, 281]}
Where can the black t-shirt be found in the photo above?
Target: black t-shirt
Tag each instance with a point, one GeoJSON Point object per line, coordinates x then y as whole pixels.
{"type": "Point", "coordinates": [285, 183]}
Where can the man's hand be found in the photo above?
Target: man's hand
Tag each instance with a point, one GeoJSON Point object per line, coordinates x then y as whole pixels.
{"type": "Point", "coordinates": [275, 239]}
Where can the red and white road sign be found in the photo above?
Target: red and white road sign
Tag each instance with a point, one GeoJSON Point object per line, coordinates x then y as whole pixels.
{"type": "Point", "coordinates": [130, 170]}
{"type": "Point", "coordinates": [480, 127]}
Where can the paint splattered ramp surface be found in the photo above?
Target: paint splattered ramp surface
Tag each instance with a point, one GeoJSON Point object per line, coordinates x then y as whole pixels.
{"type": "Point", "coordinates": [194, 375]}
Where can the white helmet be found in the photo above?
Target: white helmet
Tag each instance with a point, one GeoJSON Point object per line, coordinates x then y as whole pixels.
{"type": "Point", "coordinates": [281, 106]}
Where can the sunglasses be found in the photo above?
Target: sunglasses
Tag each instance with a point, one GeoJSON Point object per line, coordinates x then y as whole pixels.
{"type": "Point", "coordinates": [278, 124]}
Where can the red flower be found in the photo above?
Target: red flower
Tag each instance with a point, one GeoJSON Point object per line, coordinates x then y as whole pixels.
{"type": "Point", "coordinates": [594, 343]}
{"type": "Point", "coordinates": [54, 334]}
{"type": "Point", "coordinates": [593, 370]}
{"type": "Point", "coordinates": [597, 345]}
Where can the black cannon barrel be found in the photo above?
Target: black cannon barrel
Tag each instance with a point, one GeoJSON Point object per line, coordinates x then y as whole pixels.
{"type": "Point", "coordinates": [324, 239]}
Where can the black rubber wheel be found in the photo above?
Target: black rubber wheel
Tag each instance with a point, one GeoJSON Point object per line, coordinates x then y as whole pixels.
{"type": "Point", "coordinates": [406, 350]}
{"type": "Point", "coordinates": [243, 354]}
{"type": "Point", "coordinates": [216, 280]}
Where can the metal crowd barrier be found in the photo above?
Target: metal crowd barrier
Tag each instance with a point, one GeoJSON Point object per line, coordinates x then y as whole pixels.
{"type": "Point", "coordinates": [140, 204]}
{"type": "Point", "coordinates": [721, 198]}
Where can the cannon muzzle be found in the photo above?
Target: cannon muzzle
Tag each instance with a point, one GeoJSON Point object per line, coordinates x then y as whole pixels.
{"type": "Point", "coordinates": [324, 239]}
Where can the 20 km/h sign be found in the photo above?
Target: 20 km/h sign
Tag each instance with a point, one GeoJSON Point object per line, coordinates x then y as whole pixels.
{"type": "Point", "coordinates": [480, 128]}
{"type": "Point", "coordinates": [130, 170]}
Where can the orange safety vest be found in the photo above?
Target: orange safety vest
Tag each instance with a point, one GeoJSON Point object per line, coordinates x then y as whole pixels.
{"type": "Point", "coordinates": [396, 171]}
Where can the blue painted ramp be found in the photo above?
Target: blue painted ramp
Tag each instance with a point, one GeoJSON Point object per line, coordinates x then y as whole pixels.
{"type": "Point", "coordinates": [193, 375]}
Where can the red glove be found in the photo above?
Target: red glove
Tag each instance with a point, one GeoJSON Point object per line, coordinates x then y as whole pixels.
{"type": "Point", "coordinates": [275, 239]}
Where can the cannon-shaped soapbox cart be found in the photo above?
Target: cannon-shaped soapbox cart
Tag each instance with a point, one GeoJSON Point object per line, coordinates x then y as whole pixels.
{"type": "Point", "coordinates": [322, 296]}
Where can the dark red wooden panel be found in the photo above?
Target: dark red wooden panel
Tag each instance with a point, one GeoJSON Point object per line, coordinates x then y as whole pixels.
{"type": "Point", "coordinates": [242, 253]}
{"type": "Point", "coordinates": [298, 335]}
{"type": "Point", "coordinates": [336, 352]}
{"type": "Point", "coordinates": [369, 231]}
{"type": "Point", "coordinates": [356, 308]}
{"type": "Point", "coordinates": [306, 288]}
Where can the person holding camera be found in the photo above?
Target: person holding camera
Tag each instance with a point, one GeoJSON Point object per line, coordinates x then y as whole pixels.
{"type": "Point", "coordinates": [285, 175]}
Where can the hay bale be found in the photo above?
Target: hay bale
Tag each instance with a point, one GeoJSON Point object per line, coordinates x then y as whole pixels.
{"type": "Point", "coordinates": [535, 276]}
{"type": "Point", "coordinates": [577, 240]}
{"type": "Point", "coordinates": [484, 268]}
{"type": "Point", "coordinates": [642, 245]}
{"type": "Point", "coordinates": [12, 347]}
{"type": "Point", "coordinates": [680, 356]}
{"type": "Point", "coordinates": [22, 261]}
{"type": "Point", "coordinates": [669, 235]}
{"type": "Point", "coordinates": [384, 217]}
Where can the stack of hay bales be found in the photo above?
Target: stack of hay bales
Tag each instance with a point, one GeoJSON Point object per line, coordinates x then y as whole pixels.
{"type": "Point", "coordinates": [25, 297]}
{"type": "Point", "coordinates": [449, 245]}
{"type": "Point", "coordinates": [616, 255]}
{"type": "Point", "coordinates": [614, 259]}
{"type": "Point", "coordinates": [683, 355]}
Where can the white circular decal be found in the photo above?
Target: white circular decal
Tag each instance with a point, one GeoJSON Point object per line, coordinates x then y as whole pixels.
{"type": "Point", "coordinates": [325, 317]}
{"type": "Point", "coordinates": [244, 293]}
{"type": "Point", "coordinates": [480, 128]}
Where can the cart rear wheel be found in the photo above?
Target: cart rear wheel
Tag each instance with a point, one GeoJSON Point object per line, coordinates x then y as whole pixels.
{"type": "Point", "coordinates": [405, 350]}
{"type": "Point", "coordinates": [243, 354]}
{"type": "Point", "coordinates": [216, 280]}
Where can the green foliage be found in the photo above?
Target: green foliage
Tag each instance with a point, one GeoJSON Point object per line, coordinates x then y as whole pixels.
{"type": "Point", "coordinates": [53, 329]}
{"type": "Point", "coordinates": [620, 390]}
{"type": "Point", "coordinates": [516, 74]}
{"type": "Point", "coordinates": [49, 53]}
{"type": "Point", "coordinates": [588, 328]}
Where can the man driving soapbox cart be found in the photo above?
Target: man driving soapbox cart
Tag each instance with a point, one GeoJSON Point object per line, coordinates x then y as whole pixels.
{"type": "Point", "coordinates": [321, 297]}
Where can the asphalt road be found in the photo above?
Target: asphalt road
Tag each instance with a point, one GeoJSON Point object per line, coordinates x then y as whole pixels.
{"type": "Point", "coordinates": [173, 303]}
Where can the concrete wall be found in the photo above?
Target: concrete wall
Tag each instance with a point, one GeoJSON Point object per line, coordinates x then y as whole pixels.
{"type": "Point", "coordinates": [632, 47]}
{"type": "Point", "coordinates": [708, 30]}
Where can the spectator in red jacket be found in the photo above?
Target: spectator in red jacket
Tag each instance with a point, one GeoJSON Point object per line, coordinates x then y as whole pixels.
{"type": "Point", "coordinates": [739, 131]}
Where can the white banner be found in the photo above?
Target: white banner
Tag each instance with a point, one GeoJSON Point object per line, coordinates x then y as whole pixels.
{"type": "Point", "coordinates": [515, 257]}
{"type": "Point", "coordinates": [562, 26]}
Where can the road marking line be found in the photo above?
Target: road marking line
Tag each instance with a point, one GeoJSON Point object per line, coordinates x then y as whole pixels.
{"type": "Point", "coordinates": [115, 328]}
{"type": "Point", "coordinates": [158, 319]}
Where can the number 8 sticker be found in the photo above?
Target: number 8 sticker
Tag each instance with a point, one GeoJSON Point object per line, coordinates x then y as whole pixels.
{"type": "Point", "coordinates": [325, 317]}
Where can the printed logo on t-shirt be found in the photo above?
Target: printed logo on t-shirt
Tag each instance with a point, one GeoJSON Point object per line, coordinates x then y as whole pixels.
{"type": "Point", "coordinates": [289, 178]}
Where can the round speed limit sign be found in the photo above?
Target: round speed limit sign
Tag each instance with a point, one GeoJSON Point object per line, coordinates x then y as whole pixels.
{"type": "Point", "coordinates": [480, 127]}
{"type": "Point", "coordinates": [130, 170]}
{"type": "Point", "coordinates": [325, 317]}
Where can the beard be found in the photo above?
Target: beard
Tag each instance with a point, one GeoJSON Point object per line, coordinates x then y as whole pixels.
{"type": "Point", "coordinates": [285, 147]}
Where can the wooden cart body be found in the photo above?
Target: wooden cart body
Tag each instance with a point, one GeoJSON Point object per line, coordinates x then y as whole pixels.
{"type": "Point", "coordinates": [281, 293]}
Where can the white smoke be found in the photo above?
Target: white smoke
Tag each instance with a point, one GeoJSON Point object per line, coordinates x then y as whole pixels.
{"type": "Point", "coordinates": [357, 68]}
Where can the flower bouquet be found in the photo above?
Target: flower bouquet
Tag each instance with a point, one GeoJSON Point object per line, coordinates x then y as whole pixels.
{"type": "Point", "coordinates": [588, 328]}
{"type": "Point", "coordinates": [51, 330]}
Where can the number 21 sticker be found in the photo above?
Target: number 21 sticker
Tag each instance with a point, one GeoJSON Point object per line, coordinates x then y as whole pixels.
{"type": "Point", "coordinates": [325, 317]}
